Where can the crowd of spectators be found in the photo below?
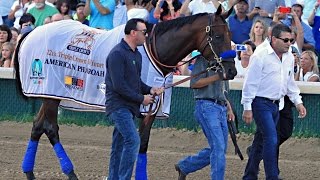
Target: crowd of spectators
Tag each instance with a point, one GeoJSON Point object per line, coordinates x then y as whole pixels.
{"type": "Point", "coordinates": [249, 23]}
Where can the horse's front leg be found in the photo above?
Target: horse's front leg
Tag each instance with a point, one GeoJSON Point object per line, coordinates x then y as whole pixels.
{"type": "Point", "coordinates": [30, 155]}
{"type": "Point", "coordinates": [51, 129]}
{"type": "Point", "coordinates": [144, 132]}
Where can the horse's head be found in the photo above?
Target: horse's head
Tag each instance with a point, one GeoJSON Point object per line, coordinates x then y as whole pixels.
{"type": "Point", "coordinates": [216, 45]}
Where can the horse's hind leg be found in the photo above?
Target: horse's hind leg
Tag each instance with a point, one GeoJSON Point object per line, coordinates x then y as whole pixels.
{"type": "Point", "coordinates": [29, 157]}
{"type": "Point", "coordinates": [51, 129]}
{"type": "Point", "coordinates": [144, 132]}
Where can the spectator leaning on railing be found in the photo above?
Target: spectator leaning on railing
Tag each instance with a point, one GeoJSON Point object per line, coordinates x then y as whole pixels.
{"type": "Point", "coordinates": [6, 54]}
{"type": "Point", "coordinates": [309, 70]}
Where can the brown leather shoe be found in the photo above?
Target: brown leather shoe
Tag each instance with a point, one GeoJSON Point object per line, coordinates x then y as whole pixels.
{"type": "Point", "coordinates": [181, 175]}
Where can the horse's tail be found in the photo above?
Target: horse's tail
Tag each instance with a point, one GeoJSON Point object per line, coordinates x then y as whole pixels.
{"type": "Point", "coordinates": [17, 66]}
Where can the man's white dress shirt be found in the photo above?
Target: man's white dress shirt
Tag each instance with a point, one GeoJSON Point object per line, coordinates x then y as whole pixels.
{"type": "Point", "coordinates": [269, 77]}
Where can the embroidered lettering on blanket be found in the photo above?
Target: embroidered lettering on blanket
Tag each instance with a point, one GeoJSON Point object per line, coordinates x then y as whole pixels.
{"type": "Point", "coordinates": [66, 60]}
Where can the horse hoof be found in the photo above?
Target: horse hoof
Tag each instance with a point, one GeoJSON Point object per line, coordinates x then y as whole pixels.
{"type": "Point", "coordinates": [72, 176]}
{"type": "Point", "coordinates": [30, 175]}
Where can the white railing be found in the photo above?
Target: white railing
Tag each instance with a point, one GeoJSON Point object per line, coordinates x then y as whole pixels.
{"type": "Point", "coordinates": [236, 84]}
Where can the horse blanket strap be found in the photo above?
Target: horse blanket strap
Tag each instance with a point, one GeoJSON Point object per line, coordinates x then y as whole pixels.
{"type": "Point", "coordinates": [153, 76]}
{"type": "Point", "coordinates": [187, 79]}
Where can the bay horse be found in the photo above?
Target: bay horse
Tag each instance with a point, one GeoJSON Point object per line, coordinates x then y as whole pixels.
{"type": "Point", "coordinates": [170, 42]}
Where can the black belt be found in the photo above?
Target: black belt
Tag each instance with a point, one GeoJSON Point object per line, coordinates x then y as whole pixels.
{"type": "Point", "coordinates": [273, 101]}
{"type": "Point", "coordinates": [216, 101]}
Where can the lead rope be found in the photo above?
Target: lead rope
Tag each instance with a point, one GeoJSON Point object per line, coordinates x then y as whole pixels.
{"type": "Point", "coordinates": [148, 116]}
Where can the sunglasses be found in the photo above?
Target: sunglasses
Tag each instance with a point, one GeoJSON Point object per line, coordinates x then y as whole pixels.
{"type": "Point", "coordinates": [285, 40]}
{"type": "Point", "coordinates": [144, 31]}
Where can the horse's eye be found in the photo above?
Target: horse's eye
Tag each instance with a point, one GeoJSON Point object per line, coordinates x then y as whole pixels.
{"type": "Point", "coordinates": [217, 36]}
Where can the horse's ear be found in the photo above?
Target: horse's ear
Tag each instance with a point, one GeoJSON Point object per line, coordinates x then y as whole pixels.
{"type": "Point", "coordinates": [225, 15]}
{"type": "Point", "coordinates": [219, 10]}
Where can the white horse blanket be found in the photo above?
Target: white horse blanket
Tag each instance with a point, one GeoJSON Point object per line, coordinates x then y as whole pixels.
{"type": "Point", "coordinates": [66, 60]}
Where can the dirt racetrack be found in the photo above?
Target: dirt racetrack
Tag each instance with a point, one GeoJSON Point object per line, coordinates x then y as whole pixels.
{"type": "Point", "coordinates": [89, 148]}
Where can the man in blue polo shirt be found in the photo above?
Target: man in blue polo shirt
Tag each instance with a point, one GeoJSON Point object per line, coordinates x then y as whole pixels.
{"type": "Point", "coordinates": [125, 91]}
{"type": "Point", "coordinates": [240, 24]}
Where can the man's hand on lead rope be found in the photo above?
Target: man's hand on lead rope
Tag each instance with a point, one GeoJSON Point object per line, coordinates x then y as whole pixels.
{"type": "Point", "coordinates": [157, 90]}
{"type": "Point", "coordinates": [147, 99]}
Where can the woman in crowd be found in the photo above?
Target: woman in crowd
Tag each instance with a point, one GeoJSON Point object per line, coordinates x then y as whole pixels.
{"type": "Point", "coordinates": [167, 10]}
{"type": "Point", "coordinates": [15, 34]}
{"type": "Point", "coordinates": [63, 7]}
{"type": "Point", "coordinates": [6, 53]}
{"type": "Point", "coordinates": [5, 35]}
{"type": "Point", "coordinates": [258, 32]}
{"type": "Point", "coordinates": [242, 61]}
{"type": "Point", "coordinates": [309, 70]}
{"type": "Point", "coordinates": [18, 8]}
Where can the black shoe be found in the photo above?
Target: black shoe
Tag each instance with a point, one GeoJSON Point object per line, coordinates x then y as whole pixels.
{"type": "Point", "coordinates": [72, 176]}
{"type": "Point", "coordinates": [181, 175]}
{"type": "Point", "coordinates": [30, 175]}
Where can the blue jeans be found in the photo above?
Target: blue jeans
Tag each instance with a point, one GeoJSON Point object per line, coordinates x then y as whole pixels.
{"type": "Point", "coordinates": [213, 121]}
{"type": "Point", "coordinates": [264, 146]}
{"type": "Point", "coordinates": [125, 145]}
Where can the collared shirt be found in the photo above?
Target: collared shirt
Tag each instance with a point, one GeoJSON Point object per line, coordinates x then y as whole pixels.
{"type": "Point", "coordinates": [124, 88]}
{"type": "Point", "coordinates": [41, 15]}
{"type": "Point", "coordinates": [307, 31]}
{"type": "Point", "coordinates": [270, 77]}
{"type": "Point", "coordinates": [239, 29]}
{"type": "Point", "coordinates": [198, 6]}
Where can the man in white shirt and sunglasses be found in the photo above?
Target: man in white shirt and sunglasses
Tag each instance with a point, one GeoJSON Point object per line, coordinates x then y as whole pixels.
{"type": "Point", "coordinates": [270, 77]}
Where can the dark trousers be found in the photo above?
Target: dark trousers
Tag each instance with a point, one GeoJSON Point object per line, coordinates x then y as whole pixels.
{"type": "Point", "coordinates": [285, 123]}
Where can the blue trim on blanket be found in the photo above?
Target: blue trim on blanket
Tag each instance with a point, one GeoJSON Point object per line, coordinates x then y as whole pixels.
{"type": "Point", "coordinates": [61, 98]}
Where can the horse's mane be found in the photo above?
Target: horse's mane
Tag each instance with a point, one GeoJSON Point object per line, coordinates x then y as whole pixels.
{"type": "Point", "coordinates": [176, 23]}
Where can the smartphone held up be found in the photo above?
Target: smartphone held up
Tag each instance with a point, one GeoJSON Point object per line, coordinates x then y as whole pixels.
{"type": "Point", "coordinates": [284, 10]}
{"type": "Point", "coordinates": [241, 47]}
